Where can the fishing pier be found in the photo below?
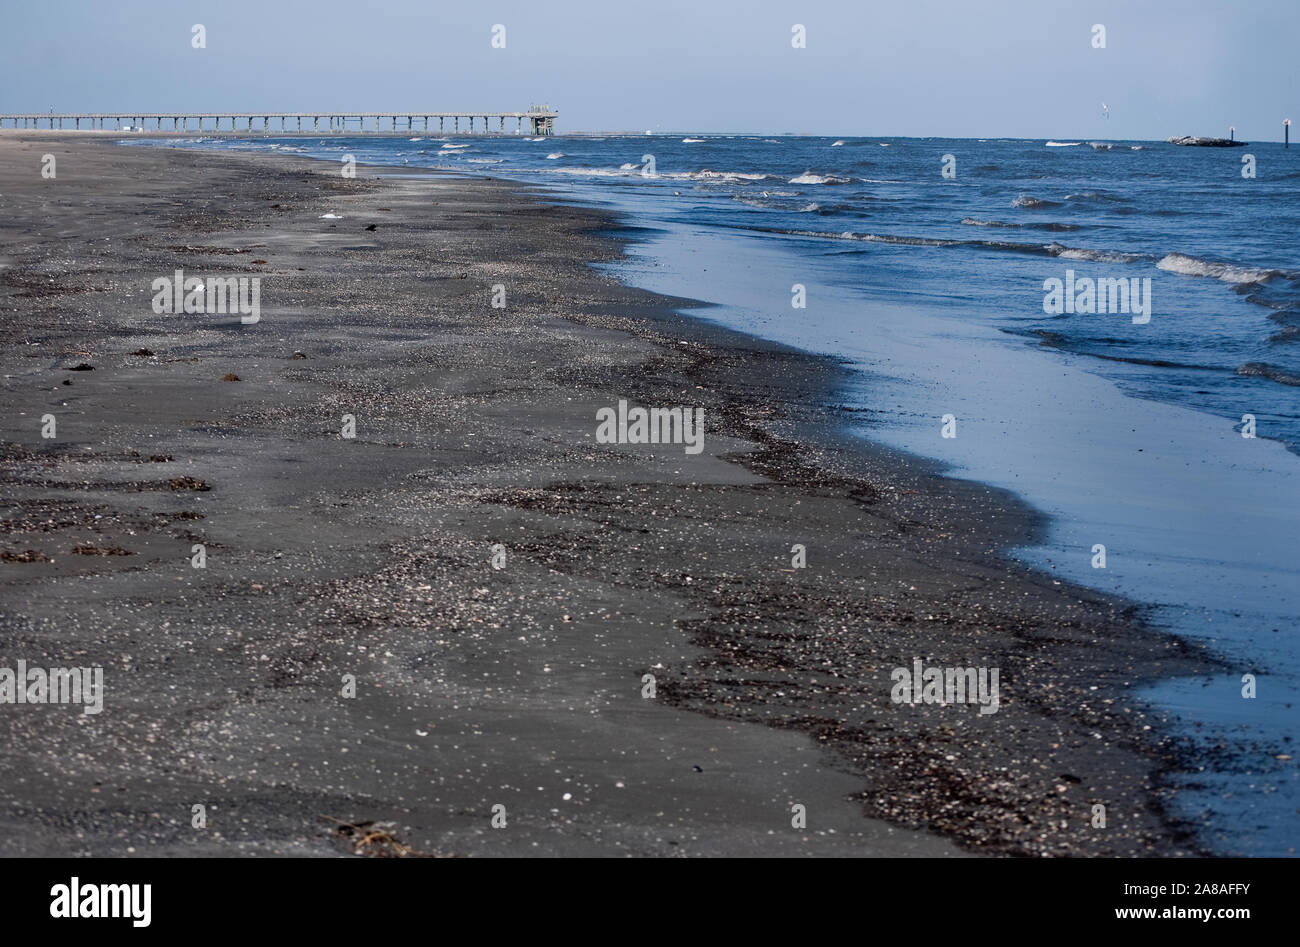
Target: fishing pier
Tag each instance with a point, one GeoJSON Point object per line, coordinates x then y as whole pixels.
{"type": "Point", "coordinates": [540, 119]}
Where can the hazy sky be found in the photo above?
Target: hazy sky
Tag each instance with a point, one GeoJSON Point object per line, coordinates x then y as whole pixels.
{"type": "Point", "coordinates": [961, 68]}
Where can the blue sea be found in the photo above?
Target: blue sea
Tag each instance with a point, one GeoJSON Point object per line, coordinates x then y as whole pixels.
{"type": "Point", "coordinates": [1127, 433]}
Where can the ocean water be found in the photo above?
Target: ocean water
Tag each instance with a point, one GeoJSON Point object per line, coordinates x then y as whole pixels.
{"type": "Point", "coordinates": [1127, 432]}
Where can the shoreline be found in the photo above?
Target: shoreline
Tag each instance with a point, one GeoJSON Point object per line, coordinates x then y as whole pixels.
{"type": "Point", "coordinates": [887, 524]}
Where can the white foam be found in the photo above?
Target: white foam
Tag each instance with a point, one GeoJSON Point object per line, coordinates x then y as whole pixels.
{"type": "Point", "coordinates": [1094, 256]}
{"type": "Point", "coordinates": [1026, 200]}
{"type": "Point", "coordinates": [809, 178]}
{"type": "Point", "coordinates": [1193, 266]}
{"type": "Point", "coordinates": [707, 174]}
{"type": "Point", "coordinates": [1063, 144]}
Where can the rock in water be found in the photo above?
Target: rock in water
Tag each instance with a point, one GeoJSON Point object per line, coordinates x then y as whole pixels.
{"type": "Point", "coordinates": [1204, 142]}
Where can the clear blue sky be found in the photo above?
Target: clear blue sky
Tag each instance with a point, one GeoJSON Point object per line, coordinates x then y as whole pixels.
{"type": "Point", "coordinates": [960, 68]}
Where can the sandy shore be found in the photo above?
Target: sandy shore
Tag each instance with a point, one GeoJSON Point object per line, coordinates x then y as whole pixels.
{"type": "Point", "coordinates": [370, 556]}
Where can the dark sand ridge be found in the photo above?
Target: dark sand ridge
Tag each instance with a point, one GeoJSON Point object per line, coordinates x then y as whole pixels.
{"type": "Point", "coordinates": [370, 556]}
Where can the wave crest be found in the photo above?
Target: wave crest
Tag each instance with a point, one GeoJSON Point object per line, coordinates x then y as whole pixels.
{"type": "Point", "coordinates": [1229, 273]}
{"type": "Point", "coordinates": [809, 178]}
{"type": "Point", "coordinates": [1029, 202]}
{"type": "Point", "coordinates": [1271, 372]}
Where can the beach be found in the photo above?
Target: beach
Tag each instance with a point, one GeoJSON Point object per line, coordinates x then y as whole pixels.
{"type": "Point", "coordinates": [364, 554]}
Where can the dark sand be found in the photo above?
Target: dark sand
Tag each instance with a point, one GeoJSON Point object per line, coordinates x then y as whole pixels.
{"type": "Point", "coordinates": [475, 426]}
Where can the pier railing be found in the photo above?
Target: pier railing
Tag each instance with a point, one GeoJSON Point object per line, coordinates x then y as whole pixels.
{"type": "Point", "coordinates": [540, 122]}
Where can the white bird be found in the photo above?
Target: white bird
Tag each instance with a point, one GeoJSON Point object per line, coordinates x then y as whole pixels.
{"type": "Point", "coordinates": [1105, 111]}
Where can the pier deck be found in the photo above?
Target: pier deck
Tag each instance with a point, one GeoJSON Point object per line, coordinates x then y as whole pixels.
{"type": "Point", "coordinates": [541, 121]}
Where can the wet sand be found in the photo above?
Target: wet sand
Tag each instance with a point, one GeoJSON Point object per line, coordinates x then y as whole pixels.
{"type": "Point", "coordinates": [370, 556]}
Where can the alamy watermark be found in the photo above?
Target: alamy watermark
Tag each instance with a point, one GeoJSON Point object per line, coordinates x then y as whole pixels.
{"type": "Point", "coordinates": [213, 295]}
{"type": "Point", "coordinates": [935, 685]}
{"type": "Point", "coordinates": [36, 685]}
{"type": "Point", "coordinates": [651, 426]}
{"type": "Point", "coordinates": [1088, 296]}
{"type": "Point", "coordinates": [75, 899]}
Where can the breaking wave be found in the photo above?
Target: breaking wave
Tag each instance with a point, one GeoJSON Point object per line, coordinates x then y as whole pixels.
{"type": "Point", "coordinates": [809, 178]}
{"type": "Point", "coordinates": [1271, 372]}
{"type": "Point", "coordinates": [1009, 246]}
{"type": "Point", "coordinates": [1229, 273]}
{"type": "Point", "coordinates": [1033, 203]}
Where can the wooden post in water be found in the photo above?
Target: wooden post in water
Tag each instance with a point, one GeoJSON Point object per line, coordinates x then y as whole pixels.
{"type": "Point", "coordinates": [1286, 133]}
